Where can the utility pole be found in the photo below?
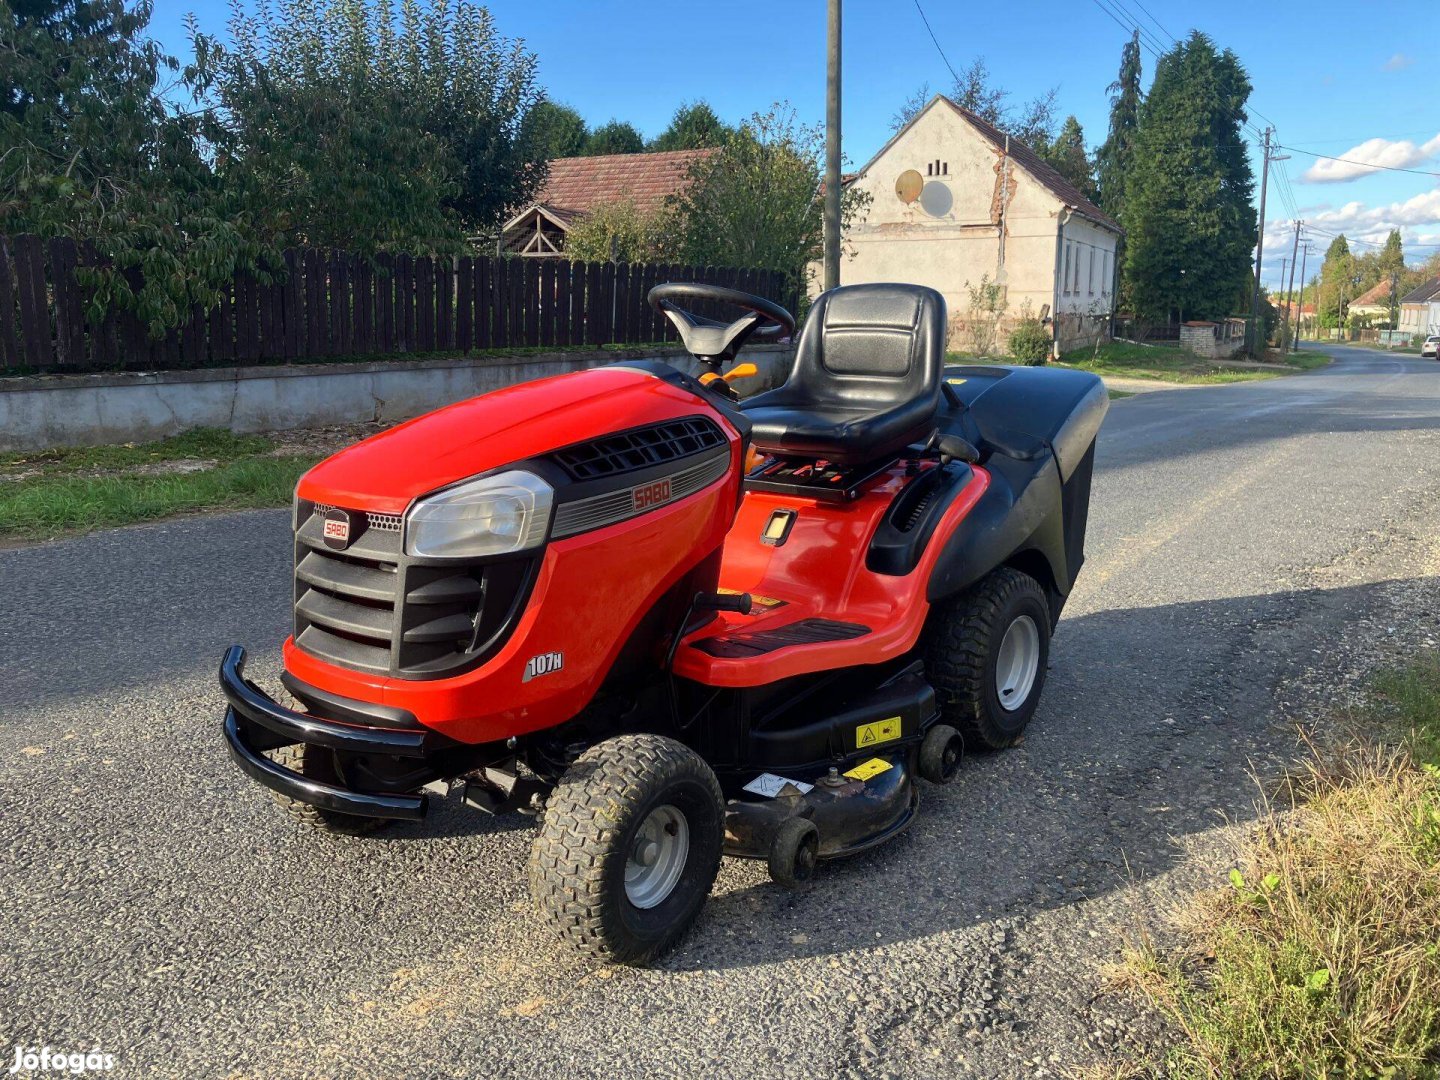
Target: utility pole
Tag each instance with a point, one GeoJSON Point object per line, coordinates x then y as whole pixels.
{"type": "Point", "coordinates": [1300, 304]}
{"type": "Point", "coordinates": [1255, 324]}
{"type": "Point", "coordinates": [1290, 290]}
{"type": "Point", "coordinates": [832, 147]}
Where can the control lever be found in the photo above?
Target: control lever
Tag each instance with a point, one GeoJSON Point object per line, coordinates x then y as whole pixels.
{"type": "Point", "coordinates": [953, 448]}
{"type": "Point", "coordinates": [737, 602]}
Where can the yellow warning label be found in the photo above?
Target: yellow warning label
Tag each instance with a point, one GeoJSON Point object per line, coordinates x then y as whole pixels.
{"type": "Point", "coordinates": [956, 382]}
{"type": "Point", "coordinates": [879, 731]}
{"type": "Point", "coordinates": [866, 769]}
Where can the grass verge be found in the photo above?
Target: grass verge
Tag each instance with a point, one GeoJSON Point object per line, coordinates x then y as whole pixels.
{"type": "Point", "coordinates": [1322, 956]}
{"type": "Point", "coordinates": [83, 488]}
{"type": "Point", "coordinates": [1165, 363]}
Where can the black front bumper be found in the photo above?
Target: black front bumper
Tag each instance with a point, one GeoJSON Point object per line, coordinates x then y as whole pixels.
{"type": "Point", "coordinates": [255, 722]}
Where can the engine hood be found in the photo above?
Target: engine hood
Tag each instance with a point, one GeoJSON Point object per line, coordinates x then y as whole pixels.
{"type": "Point", "coordinates": [388, 471]}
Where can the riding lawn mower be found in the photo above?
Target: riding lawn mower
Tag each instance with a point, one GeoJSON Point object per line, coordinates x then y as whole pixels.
{"type": "Point", "coordinates": [674, 624]}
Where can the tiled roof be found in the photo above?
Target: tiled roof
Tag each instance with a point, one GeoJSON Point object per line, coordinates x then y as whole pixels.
{"type": "Point", "coordinates": [576, 185]}
{"type": "Point", "coordinates": [1378, 295]}
{"type": "Point", "coordinates": [1032, 163]}
{"type": "Point", "coordinates": [1430, 290]}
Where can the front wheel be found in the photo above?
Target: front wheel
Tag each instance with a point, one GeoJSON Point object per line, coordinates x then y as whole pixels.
{"type": "Point", "coordinates": [629, 847]}
{"type": "Point", "coordinates": [986, 652]}
{"type": "Point", "coordinates": [323, 766]}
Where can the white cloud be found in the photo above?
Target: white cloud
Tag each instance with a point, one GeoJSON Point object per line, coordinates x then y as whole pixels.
{"type": "Point", "coordinates": [1417, 218]}
{"type": "Point", "coordinates": [1398, 62]}
{"type": "Point", "coordinates": [1371, 156]}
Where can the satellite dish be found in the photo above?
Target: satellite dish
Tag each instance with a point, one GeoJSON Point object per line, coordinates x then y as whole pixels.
{"type": "Point", "coordinates": [909, 185]}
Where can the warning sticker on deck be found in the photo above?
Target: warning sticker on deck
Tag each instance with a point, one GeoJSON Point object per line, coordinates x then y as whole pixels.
{"type": "Point", "coordinates": [866, 769]}
{"type": "Point", "coordinates": [770, 785]}
{"type": "Point", "coordinates": [879, 731]}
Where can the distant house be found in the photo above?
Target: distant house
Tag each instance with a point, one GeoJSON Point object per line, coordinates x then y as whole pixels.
{"type": "Point", "coordinates": [1420, 309]}
{"type": "Point", "coordinates": [953, 200]}
{"type": "Point", "coordinates": [1373, 303]}
{"type": "Point", "coordinates": [575, 186]}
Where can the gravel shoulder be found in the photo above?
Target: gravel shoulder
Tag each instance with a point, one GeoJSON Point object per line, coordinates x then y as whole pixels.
{"type": "Point", "coordinates": [1250, 548]}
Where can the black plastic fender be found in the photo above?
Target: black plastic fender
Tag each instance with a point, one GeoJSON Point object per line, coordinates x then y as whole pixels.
{"type": "Point", "coordinates": [1020, 511]}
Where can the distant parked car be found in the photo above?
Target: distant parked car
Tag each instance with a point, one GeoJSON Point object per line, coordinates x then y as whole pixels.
{"type": "Point", "coordinates": [1431, 347]}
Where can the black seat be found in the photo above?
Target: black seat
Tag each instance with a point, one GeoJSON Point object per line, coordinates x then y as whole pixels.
{"type": "Point", "coordinates": [867, 377]}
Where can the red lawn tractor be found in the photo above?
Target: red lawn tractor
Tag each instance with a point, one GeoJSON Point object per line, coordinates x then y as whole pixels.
{"type": "Point", "coordinates": [675, 625]}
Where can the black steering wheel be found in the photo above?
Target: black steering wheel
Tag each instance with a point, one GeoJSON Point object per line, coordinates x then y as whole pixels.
{"type": "Point", "coordinates": [712, 342]}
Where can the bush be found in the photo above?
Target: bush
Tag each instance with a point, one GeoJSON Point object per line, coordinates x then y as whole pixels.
{"type": "Point", "coordinates": [1030, 342]}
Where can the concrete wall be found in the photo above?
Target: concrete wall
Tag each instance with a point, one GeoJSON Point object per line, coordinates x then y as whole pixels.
{"type": "Point", "coordinates": [978, 214]}
{"type": "Point", "coordinates": [37, 412]}
{"type": "Point", "coordinates": [1215, 341]}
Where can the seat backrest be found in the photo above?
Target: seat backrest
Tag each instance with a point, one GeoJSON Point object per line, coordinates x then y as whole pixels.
{"type": "Point", "coordinates": [875, 346]}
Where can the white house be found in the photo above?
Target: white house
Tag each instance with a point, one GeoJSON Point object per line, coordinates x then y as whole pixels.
{"type": "Point", "coordinates": [1420, 309]}
{"type": "Point", "coordinates": [954, 200]}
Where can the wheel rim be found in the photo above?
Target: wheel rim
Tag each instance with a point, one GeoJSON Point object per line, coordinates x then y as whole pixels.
{"type": "Point", "coordinates": [1017, 663]}
{"type": "Point", "coordinates": [657, 856]}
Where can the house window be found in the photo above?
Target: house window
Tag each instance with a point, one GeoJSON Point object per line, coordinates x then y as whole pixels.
{"type": "Point", "coordinates": [1090, 274]}
{"type": "Point", "coordinates": [1065, 274]}
{"type": "Point", "coordinates": [1106, 280]}
{"type": "Point", "coordinates": [937, 168]}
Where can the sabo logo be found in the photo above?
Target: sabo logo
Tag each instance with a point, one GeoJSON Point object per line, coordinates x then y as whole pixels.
{"type": "Point", "coordinates": [648, 495]}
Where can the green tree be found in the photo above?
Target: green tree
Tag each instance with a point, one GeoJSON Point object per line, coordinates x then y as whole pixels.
{"type": "Point", "coordinates": [1392, 271]}
{"type": "Point", "coordinates": [551, 130]}
{"type": "Point", "coordinates": [693, 126]}
{"type": "Point", "coordinates": [619, 232]}
{"type": "Point", "coordinates": [371, 130]}
{"type": "Point", "coordinates": [1033, 123]}
{"type": "Point", "coordinates": [1189, 223]}
{"type": "Point", "coordinates": [756, 202]}
{"type": "Point", "coordinates": [1068, 157]}
{"type": "Point", "coordinates": [1113, 159]}
{"type": "Point", "coordinates": [90, 150]}
{"type": "Point", "coordinates": [1338, 282]}
{"type": "Point", "coordinates": [616, 137]}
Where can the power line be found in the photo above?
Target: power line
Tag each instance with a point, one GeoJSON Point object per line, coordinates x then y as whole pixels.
{"type": "Point", "coordinates": [1365, 164]}
{"type": "Point", "coordinates": [936, 41]}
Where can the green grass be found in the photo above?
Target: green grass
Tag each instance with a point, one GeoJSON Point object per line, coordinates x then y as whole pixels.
{"type": "Point", "coordinates": [1116, 395]}
{"type": "Point", "coordinates": [1164, 363]}
{"type": "Point", "coordinates": [1159, 363]}
{"type": "Point", "coordinates": [194, 445]}
{"type": "Point", "coordinates": [84, 488]}
{"type": "Point", "coordinates": [1321, 957]}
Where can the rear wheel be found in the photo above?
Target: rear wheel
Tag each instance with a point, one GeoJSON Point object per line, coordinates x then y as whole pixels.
{"type": "Point", "coordinates": [319, 764]}
{"type": "Point", "coordinates": [986, 652]}
{"type": "Point", "coordinates": [629, 847]}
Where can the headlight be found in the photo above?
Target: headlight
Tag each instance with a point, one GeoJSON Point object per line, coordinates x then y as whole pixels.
{"type": "Point", "coordinates": [492, 516]}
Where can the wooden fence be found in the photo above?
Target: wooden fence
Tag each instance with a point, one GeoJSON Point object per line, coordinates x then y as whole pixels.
{"type": "Point", "coordinates": [332, 304]}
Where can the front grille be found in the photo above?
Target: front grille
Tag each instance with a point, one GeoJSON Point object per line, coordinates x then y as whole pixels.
{"type": "Point", "coordinates": [630, 451]}
{"type": "Point", "coordinates": [372, 608]}
{"type": "Point", "coordinates": [614, 506]}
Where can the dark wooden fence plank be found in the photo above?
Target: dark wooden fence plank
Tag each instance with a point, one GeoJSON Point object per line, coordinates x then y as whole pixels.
{"type": "Point", "coordinates": [484, 301]}
{"type": "Point", "coordinates": [34, 313]}
{"type": "Point", "coordinates": [545, 333]}
{"type": "Point", "coordinates": [514, 302]}
{"type": "Point", "coordinates": [294, 306]}
{"type": "Point", "coordinates": [69, 325]}
{"type": "Point", "coordinates": [424, 305]}
{"type": "Point", "coordinates": [445, 303]}
{"type": "Point", "coordinates": [565, 305]}
{"type": "Point", "coordinates": [464, 303]}
{"type": "Point", "coordinates": [384, 304]}
{"type": "Point", "coordinates": [315, 320]}
{"type": "Point", "coordinates": [9, 311]}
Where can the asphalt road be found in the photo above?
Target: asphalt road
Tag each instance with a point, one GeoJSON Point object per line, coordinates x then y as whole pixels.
{"type": "Point", "coordinates": [156, 905]}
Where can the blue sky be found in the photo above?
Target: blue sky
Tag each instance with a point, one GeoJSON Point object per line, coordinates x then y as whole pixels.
{"type": "Point", "coordinates": [1340, 79]}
